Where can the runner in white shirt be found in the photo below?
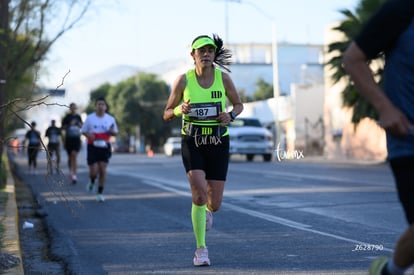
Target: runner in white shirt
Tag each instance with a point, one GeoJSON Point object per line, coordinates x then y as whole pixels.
{"type": "Point", "coordinates": [98, 128]}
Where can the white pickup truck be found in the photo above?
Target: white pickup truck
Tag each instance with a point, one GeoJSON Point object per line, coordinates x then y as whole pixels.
{"type": "Point", "coordinates": [248, 137]}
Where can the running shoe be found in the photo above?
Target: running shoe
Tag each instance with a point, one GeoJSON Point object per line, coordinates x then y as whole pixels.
{"type": "Point", "coordinates": [100, 198]}
{"type": "Point", "coordinates": [74, 179]}
{"type": "Point", "coordinates": [209, 220]}
{"type": "Point", "coordinates": [89, 187]}
{"type": "Point", "coordinates": [201, 257]}
{"type": "Point", "coordinates": [378, 265]}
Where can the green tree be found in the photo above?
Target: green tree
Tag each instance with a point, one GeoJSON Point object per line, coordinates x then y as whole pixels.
{"type": "Point", "coordinates": [138, 101]}
{"type": "Point", "coordinates": [24, 43]}
{"type": "Point", "coordinates": [349, 28]}
{"type": "Point", "coordinates": [153, 95]}
{"type": "Point", "coordinates": [264, 90]}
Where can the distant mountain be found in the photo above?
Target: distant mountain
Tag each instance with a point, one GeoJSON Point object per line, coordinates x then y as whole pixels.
{"type": "Point", "coordinates": [113, 74]}
{"type": "Point", "coordinates": [79, 91]}
{"type": "Point", "coordinates": [166, 66]}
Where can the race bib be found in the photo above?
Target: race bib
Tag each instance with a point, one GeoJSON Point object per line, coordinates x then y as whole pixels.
{"type": "Point", "coordinates": [73, 131]}
{"type": "Point", "coordinates": [33, 138]}
{"type": "Point", "coordinates": [54, 138]}
{"type": "Point", "coordinates": [100, 143]}
{"type": "Point", "coordinates": [205, 111]}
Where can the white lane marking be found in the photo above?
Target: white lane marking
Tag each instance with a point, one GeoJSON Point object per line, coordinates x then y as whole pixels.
{"type": "Point", "coordinates": [299, 176]}
{"type": "Point", "coordinates": [264, 216]}
{"type": "Point", "coordinates": [303, 190]}
{"type": "Point", "coordinates": [295, 225]}
{"type": "Point", "coordinates": [162, 184]}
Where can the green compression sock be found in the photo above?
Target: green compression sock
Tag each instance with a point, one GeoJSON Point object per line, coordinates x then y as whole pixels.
{"type": "Point", "coordinates": [198, 217]}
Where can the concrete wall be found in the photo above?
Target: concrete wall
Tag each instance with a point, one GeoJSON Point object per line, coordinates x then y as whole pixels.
{"type": "Point", "coordinates": [343, 139]}
{"type": "Point", "coordinates": [308, 100]}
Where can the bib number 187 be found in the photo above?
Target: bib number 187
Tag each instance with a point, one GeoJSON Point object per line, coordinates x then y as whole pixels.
{"type": "Point", "coordinates": [205, 111]}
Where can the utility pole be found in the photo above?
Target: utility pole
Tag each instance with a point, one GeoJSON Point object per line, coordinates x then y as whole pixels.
{"type": "Point", "coordinates": [226, 19]}
{"type": "Point", "coordinates": [275, 66]}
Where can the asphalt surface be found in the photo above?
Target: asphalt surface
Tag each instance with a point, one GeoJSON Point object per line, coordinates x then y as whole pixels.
{"type": "Point", "coordinates": [144, 226]}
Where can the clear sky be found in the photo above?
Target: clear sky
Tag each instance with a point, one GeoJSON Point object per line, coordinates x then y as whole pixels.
{"type": "Point", "coordinates": [142, 33]}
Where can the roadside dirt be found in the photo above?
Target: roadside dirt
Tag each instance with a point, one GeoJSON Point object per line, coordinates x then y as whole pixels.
{"type": "Point", "coordinates": [34, 242]}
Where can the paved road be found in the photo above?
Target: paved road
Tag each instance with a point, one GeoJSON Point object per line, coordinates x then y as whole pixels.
{"type": "Point", "coordinates": [277, 218]}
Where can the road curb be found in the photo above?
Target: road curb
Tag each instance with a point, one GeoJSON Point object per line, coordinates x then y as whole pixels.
{"type": "Point", "coordinates": [11, 241]}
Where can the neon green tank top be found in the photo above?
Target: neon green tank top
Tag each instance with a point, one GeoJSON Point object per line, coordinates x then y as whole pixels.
{"type": "Point", "coordinates": [206, 103]}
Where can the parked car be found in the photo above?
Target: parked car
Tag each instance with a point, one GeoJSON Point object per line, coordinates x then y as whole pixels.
{"type": "Point", "coordinates": [248, 137]}
{"type": "Point", "coordinates": [120, 146]}
{"type": "Point", "coordinates": [16, 140]}
{"type": "Point", "coordinates": [172, 146]}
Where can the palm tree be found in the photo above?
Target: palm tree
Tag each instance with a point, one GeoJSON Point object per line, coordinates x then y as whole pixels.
{"type": "Point", "coordinates": [349, 28]}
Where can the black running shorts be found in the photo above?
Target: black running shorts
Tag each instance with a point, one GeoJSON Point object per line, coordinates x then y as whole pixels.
{"type": "Point", "coordinates": [208, 154]}
{"type": "Point", "coordinates": [98, 154]}
{"type": "Point", "coordinates": [72, 144]}
{"type": "Point", "coordinates": [402, 169]}
{"type": "Point", "coordinates": [53, 147]}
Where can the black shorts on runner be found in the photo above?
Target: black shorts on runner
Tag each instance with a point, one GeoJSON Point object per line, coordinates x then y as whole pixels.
{"type": "Point", "coordinates": [72, 144]}
{"type": "Point", "coordinates": [98, 154]}
{"type": "Point", "coordinates": [212, 158]}
{"type": "Point", "coordinates": [53, 147]}
{"type": "Point", "coordinates": [402, 169]}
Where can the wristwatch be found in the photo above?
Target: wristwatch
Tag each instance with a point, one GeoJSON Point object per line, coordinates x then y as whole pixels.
{"type": "Point", "coordinates": [232, 115]}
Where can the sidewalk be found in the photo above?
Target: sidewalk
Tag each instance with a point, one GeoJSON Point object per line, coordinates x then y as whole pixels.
{"type": "Point", "coordinates": [11, 243]}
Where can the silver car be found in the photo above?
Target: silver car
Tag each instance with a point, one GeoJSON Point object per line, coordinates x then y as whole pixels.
{"type": "Point", "coordinates": [172, 146]}
{"type": "Point", "coordinates": [248, 137]}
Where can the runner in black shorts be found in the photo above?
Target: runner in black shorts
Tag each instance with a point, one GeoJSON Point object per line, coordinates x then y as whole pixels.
{"type": "Point", "coordinates": [34, 142]}
{"type": "Point", "coordinates": [72, 124]}
{"type": "Point", "coordinates": [98, 128]}
{"type": "Point", "coordinates": [200, 96]}
{"type": "Point", "coordinates": [54, 135]}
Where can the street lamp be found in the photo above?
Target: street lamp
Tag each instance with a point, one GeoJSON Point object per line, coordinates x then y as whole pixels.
{"type": "Point", "coordinates": [227, 18]}
{"type": "Point", "coordinates": [275, 67]}
{"type": "Point", "coordinates": [274, 46]}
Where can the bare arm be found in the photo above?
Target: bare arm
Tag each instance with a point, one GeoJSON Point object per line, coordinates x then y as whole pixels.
{"type": "Point", "coordinates": [175, 98]}
{"type": "Point", "coordinates": [232, 95]}
{"type": "Point", "coordinates": [391, 118]}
